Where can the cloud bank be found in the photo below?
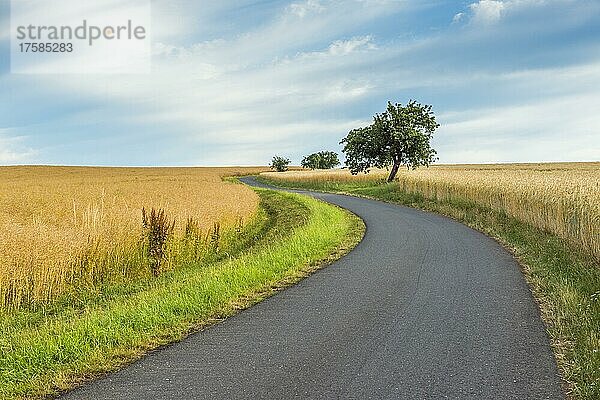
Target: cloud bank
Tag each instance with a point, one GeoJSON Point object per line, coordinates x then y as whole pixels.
{"type": "Point", "coordinates": [236, 83]}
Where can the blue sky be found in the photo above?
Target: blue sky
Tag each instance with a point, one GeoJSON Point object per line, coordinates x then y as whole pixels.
{"type": "Point", "coordinates": [235, 82]}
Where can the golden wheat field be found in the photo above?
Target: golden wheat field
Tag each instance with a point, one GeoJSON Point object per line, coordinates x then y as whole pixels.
{"type": "Point", "coordinates": [562, 198]}
{"type": "Point", "coordinates": [65, 226]}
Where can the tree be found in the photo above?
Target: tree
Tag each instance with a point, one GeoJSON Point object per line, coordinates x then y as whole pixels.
{"type": "Point", "coordinates": [399, 136]}
{"type": "Point", "coordinates": [280, 164]}
{"type": "Point", "coordinates": [321, 160]}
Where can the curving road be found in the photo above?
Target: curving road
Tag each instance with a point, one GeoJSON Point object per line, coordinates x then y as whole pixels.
{"type": "Point", "coordinates": [423, 308]}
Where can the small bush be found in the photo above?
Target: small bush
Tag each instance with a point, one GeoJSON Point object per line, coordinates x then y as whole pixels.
{"type": "Point", "coordinates": [321, 160]}
{"type": "Point", "coordinates": [280, 164]}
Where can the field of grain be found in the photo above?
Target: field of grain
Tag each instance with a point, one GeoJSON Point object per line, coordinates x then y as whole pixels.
{"type": "Point", "coordinates": [561, 198]}
{"type": "Point", "coordinates": [68, 228]}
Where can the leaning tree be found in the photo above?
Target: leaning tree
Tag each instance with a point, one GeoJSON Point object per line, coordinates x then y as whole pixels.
{"type": "Point", "coordinates": [399, 136]}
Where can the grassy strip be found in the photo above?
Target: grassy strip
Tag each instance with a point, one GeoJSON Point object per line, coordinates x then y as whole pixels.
{"type": "Point", "coordinates": [50, 354]}
{"type": "Point", "coordinates": [565, 281]}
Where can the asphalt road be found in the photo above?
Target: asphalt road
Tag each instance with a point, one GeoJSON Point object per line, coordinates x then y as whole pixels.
{"type": "Point", "coordinates": [423, 308]}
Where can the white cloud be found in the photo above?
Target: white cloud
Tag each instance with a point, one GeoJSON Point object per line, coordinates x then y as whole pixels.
{"type": "Point", "coordinates": [342, 47]}
{"type": "Point", "coordinates": [487, 11]}
{"type": "Point", "coordinates": [542, 131]}
{"type": "Point", "coordinates": [458, 18]}
{"type": "Point", "coordinates": [238, 90]}
{"type": "Point", "coordinates": [306, 7]}
{"type": "Point", "coordinates": [345, 91]}
{"type": "Point", "coordinates": [12, 150]}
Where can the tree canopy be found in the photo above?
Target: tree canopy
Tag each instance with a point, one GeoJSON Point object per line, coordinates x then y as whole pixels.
{"type": "Point", "coordinates": [399, 136]}
{"type": "Point", "coordinates": [321, 160]}
{"type": "Point", "coordinates": [280, 164]}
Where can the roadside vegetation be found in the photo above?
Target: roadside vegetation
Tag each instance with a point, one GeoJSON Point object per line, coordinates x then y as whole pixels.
{"type": "Point", "coordinates": [561, 198]}
{"type": "Point", "coordinates": [55, 345]}
{"type": "Point", "coordinates": [64, 230]}
{"type": "Point", "coordinates": [547, 214]}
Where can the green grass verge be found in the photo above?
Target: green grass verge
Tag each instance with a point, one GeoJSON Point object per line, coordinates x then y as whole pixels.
{"type": "Point", "coordinates": [45, 351]}
{"type": "Point", "coordinates": [564, 280]}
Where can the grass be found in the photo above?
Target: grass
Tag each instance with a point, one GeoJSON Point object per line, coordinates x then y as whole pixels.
{"type": "Point", "coordinates": [564, 278]}
{"type": "Point", "coordinates": [52, 348]}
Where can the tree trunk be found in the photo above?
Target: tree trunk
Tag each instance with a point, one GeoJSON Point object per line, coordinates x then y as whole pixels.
{"type": "Point", "coordinates": [393, 172]}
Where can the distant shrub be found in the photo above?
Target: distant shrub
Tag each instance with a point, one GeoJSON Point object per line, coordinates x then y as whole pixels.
{"type": "Point", "coordinates": [280, 164]}
{"type": "Point", "coordinates": [321, 160]}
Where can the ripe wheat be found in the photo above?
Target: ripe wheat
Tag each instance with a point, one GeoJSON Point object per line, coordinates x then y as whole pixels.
{"type": "Point", "coordinates": [74, 227]}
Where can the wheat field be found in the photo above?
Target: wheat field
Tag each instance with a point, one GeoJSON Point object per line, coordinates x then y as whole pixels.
{"type": "Point", "coordinates": [561, 198]}
{"type": "Point", "coordinates": [73, 227]}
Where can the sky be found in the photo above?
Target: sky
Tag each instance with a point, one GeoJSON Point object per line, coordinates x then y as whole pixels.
{"type": "Point", "coordinates": [236, 82]}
